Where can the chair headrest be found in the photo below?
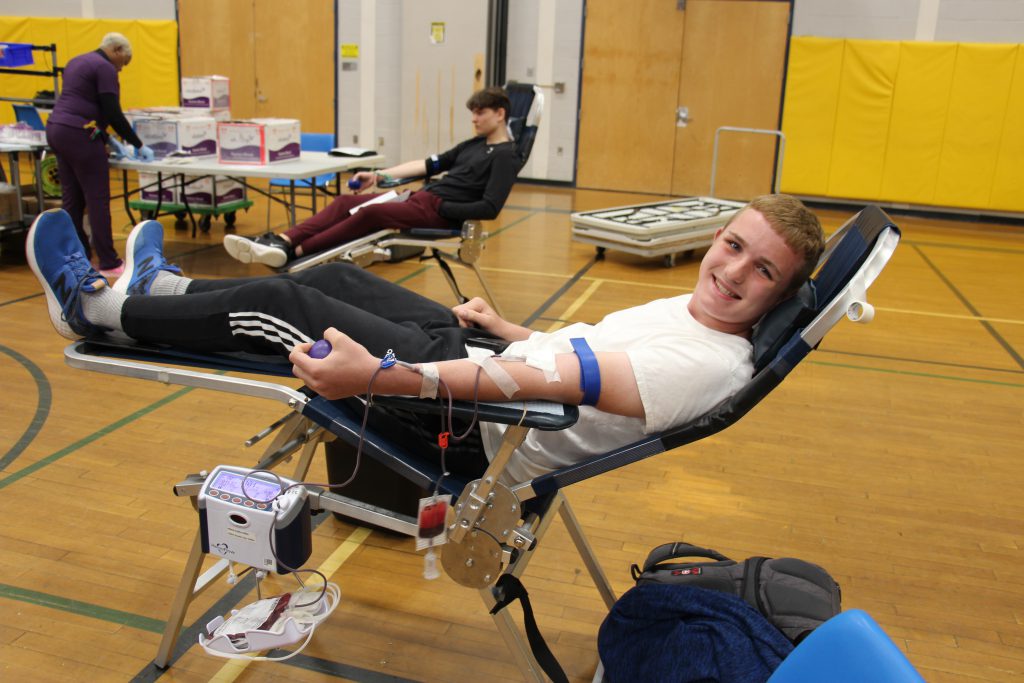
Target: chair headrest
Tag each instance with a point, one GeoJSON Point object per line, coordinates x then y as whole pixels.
{"type": "Point", "coordinates": [779, 324]}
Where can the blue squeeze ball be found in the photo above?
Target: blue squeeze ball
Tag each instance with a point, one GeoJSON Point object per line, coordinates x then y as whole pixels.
{"type": "Point", "coordinates": [320, 349]}
{"type": "Point", "coordinates": [354, 184]}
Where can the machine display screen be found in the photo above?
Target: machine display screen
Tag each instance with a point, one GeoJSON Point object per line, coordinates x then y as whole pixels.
{"type": "Point", "coordinates": [256, 489]}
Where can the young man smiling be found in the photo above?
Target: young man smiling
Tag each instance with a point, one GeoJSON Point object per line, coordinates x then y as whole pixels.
{"type": "Point", "coordinates": [660, 364]}
{"type": "Point", "coordinates": [480, 174]}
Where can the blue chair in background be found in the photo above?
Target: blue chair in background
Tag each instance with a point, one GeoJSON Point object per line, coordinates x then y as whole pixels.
{"type": "Point", "coordinates": [311, 142]}
{"type": "Point", "coordinates": [26, 113]}
{"type": "Point", "coordinates": [848, 648]}
{"type": "Point", "coordinates": [47, 169]}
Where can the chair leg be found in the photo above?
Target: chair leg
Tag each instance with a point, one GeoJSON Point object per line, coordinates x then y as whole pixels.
{"type": "Point", "coordinates": [182, 599]}
{"type": "Point", "coordinates": [191, 584]}
{"type": "Point", "coordinates": [486, 288]}
{"type": "Point", "coordinates": [514, 640]}
{"type": "Point", "coordinates": [587, 554]}
{"type": "Point", "coordinates": [510, 632]}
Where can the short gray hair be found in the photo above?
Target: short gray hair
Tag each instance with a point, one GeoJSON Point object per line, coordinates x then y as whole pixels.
{"type": "Point", "coordinates": [115, 41]}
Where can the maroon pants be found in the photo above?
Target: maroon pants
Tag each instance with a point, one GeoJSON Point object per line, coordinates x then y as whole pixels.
{"type": "Point", "coordinates": [85, 183]}
{"type": "Point", "coordinates": [335, 225]}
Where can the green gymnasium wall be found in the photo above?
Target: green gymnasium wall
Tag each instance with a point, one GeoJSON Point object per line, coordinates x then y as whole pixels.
{"type": "Point", "coordinates": [931, 124]}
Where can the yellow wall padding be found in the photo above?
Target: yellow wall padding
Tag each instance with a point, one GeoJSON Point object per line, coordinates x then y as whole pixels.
{"type": "Point", "coordinates": [812, 94]}
{"type": "Point", "coordinates": [974, 126]}
{"type": "Point", "coordinates": [934, 124]}
{"type": "Point", "coordinates": [862, 117]}
{"type": "Point", "coordinates": [1008, 184]}
{"type": "Point", "coordinates": [150, 80]}
{"type": "Point", "coordinates": [918, 122]}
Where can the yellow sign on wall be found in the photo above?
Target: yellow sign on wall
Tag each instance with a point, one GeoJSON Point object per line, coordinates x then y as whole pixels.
{"type": "Point", "coordinates": [437, 32]}
{"type": "Point", "coordinates": [350, 50]}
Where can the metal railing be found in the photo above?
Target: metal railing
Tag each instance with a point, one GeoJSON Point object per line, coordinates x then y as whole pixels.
{"type": "Point", "coordinates": [759, 131]}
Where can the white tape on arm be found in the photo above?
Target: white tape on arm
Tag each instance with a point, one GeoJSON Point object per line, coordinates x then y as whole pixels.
{"type": "Point", "coordinates": [428, 389]}
{"type": "Point", "coordinates": [545, 362]}
{"type": "Point", "coordinates": [498, 375]}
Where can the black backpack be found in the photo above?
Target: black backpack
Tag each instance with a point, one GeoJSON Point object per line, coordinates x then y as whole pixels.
{"type": "Point", "coordinates": [794, 595]}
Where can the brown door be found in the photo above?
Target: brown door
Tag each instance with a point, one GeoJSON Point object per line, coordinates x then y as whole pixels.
{"type": "Point", "coordinates": [631, 58]}
{"type": "Point", "coordinates": [294, 56]}
{"type": "Point", "coordinates": [721, 60]}
{"type": "Point", "coordinates": [279, 55]}
{"type": "Point", "coordinates": [734, 56]}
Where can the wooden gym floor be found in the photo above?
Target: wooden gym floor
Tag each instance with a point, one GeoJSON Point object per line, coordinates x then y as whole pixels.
{"type": "Point", "coordinates": [892, 457]}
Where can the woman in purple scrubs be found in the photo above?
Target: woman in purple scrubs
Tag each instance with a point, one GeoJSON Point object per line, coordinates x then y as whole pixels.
{"type": "Point", "coordinates": [76, 131]}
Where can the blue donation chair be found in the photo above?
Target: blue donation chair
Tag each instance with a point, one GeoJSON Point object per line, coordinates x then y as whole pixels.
{"type": "Point", "coordinates": [482, 548]}
{"type": "Point", "coordinates": [848, 648]}
{"type": "Point", "coordinates": [461, 245]}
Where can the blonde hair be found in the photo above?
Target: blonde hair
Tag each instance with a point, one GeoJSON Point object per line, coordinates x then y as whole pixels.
{"type": "Point", "coordinates": [796, 225]}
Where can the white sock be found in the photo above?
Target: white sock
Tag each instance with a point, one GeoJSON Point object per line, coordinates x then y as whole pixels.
{"type": "Point", "coordinates": [103, 308]}
{"type": "Point", "coordinates": [167, 283]}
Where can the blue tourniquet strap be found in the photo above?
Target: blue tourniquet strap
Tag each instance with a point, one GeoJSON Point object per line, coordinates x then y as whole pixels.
{"type": "Point", "coordinates": [590, 371]}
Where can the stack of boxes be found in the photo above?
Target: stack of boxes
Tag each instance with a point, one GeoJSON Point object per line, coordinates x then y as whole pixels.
{"type": "Point", "coordinates": [210, 94]}
{"type": "Point", "coordinates": [202, 126]}
{"type": "Point", "coordinates": [189, 130]}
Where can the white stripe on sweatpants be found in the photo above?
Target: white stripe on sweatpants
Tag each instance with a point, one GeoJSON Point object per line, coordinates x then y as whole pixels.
{"type": "Point", "coordinates": [272, 329]}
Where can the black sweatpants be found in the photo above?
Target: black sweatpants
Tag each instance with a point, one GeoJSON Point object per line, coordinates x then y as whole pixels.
{"type": "Point", "coordinates": [272, 314]}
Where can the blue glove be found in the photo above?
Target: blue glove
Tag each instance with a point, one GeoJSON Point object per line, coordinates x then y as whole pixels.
{"type": "Point", "coordinates": [145, 153]}
{"type": "Point", "coordinates": [117, 148]}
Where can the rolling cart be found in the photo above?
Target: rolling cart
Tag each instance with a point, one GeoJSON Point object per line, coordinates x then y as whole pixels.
{"type": "Point", "coordinates": [656, 229]}
{"type": "Point", "coordinates": [153, 209]}
{"type": "Point", "coordinates": [669, 227]}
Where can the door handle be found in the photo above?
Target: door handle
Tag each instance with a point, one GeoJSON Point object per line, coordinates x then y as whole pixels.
{"type": "Point", "coordinates": [682, 117]}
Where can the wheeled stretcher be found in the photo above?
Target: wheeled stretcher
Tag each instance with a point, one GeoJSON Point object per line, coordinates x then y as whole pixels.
{"type": "Point", "coordinates": [656, 229]}
{"type": "Point", "coordinates": [497, 527]}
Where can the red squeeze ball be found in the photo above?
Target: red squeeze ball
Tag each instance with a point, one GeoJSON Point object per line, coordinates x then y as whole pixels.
{"type": "Point", "coordinates": [320, 349]}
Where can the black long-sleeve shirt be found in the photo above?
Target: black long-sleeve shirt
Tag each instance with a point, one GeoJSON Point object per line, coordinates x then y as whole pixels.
{"type": "Point", "coordinates": [111, 108]}
{"type": "Point", "coordinates": [479, 179]}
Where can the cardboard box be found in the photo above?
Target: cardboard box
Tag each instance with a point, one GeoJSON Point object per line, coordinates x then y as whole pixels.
{"type": "Point", "coordinates": [194, 135]}
{"type": "Point", "coordinates": [9, 204]}
{"type": "Point", "coordinates": [166, 192]}
{"type": "Point", "coordinates": [199, 191]}
{"type": "Point", "coordinates": [213, 92]}
{"type": "Point", "coordinates": [258, 141]}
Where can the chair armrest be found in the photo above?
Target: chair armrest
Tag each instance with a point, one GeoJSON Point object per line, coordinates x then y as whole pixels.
{"type": "Point", "coordinates": [541, 415]}
{"type": "Point", "coordinates": [430, 233]}
{"type": "Point", "coordinates": [398, 182]}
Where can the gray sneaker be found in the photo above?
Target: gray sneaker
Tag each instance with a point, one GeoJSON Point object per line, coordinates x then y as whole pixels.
{"type": "Point", "coordinates": [270, 250]}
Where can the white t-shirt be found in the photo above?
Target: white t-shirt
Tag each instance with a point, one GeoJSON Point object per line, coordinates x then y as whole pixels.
{"type": "Point", "coordinates": [682, 369]}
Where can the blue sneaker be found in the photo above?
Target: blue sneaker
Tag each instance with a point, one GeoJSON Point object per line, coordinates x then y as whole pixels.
{"type": "Point", "coordinates": [144, 258]}
{"type": "Point", "coordinates": [58, 259]}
